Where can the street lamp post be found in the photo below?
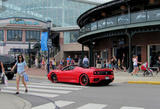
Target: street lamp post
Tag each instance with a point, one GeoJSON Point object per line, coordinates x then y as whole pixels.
{"type": "Point", "coordinates": [29, 53]}
{"type": "Point", "coordinates": [48, 29]}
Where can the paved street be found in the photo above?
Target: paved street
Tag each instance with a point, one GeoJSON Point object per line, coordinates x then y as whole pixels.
{"type": "Point", "coordinates": [43, 93]}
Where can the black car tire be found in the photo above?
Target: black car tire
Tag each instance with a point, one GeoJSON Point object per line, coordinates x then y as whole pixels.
{"type": "Point", "coordinates": [10, 76]}
{"type": "Point", "coordinates": [54, 78]}
{"type": "Point", "coordinates": [84, 80]}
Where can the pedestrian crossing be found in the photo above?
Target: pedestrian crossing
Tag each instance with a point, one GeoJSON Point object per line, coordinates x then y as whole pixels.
{"type": "Point", "coordinates": [50, 90]}
{"type": "Point", "coordinates": [62, 104]}
{"type": "Point", "coordinates": [44, 89]}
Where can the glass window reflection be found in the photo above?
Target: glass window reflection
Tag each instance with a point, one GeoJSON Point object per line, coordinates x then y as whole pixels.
{"type": "Point", "coordinates": [71, 37]}
{"type": "Point", "coordinates": [1, 35]}
{"type": "Point", "coordinates": [32, 35]}
{"type": "Point", "coordinates": [14, 35]}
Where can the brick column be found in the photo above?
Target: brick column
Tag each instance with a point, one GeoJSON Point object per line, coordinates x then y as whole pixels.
{"type": "Point", "coordinates": [23, 36]}
{"type": "Point", "coordinates": [109, 53]}
{"type": "Point", "coordinates": [5, 35]}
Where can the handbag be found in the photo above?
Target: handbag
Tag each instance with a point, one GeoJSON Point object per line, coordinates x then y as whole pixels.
{"type": "Point", "coordinates": [26, 77]}
{"type": "Point", "coordinates": [4, 79]}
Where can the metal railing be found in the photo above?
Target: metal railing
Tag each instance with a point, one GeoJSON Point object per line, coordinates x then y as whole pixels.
{"type": "Point", "coordinates": [127, 19]}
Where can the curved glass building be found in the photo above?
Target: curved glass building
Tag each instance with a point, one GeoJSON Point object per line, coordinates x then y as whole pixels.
{"type": "Point", "coordinates": [60, 12]}
{"type": "Point", "coordinates": [23, 21]}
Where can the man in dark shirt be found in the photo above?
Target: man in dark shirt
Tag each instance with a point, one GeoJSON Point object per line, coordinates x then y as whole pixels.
{"type": "Point", "coordinates": [98, 62]}
{"type": "Point", "coordinates": [76, 60]}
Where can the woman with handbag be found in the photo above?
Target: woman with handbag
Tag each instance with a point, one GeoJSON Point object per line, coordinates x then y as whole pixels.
{"type": "Point", "coordinates": [21, 71]}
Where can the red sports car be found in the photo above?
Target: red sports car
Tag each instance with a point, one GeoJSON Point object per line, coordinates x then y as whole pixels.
{"type": "Point", "coordinates": [84, 76]}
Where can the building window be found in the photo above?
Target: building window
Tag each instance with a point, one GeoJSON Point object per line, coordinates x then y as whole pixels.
{"type": "Point", "coordinates": [32, 35]}
{"type": "Point", "coordinates": [14, 35]}
{"type": "Point", "coordinates": [71, 37]}
{"type": "Point", "coordinates": [1, 35]}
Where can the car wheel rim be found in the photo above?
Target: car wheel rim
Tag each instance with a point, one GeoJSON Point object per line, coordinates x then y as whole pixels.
{"type": "Point", "coordinates": [84, 80]}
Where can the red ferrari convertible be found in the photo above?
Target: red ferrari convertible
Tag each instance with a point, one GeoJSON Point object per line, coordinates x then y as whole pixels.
{"type": "Point", "coordinates": [84, 76]}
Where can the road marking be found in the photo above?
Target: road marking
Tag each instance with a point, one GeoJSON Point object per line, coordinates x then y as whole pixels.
{"type": "Point", "coordinates": [62, 103]}
{"type": "Point", "coordinates": [58, 84]}
{"type": "Point", "coordinates": [40, 90]}
{"type": "Point", "coordinates": [125, 107]}
{"type": "Point", "coordinates": [32, 93]}
{"type": "Point", "coordinates": [92, 106]}
{"type": "Point", "coordinates": [45, 106]}
{"type": "Point", "coordinates": [53, 87]}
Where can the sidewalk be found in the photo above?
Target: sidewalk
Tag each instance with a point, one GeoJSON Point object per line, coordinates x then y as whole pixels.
{"type": "Point", "coordinates": [10, 101]}
{"type": "Point", "coordinates": [120, 77]}
{"type": "Point", "coordinates": [140, 79]}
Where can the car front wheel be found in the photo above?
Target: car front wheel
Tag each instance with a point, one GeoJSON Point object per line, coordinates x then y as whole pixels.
{"type": "Point", "coordinates": [84, 80]}
{"type": "Point", "coordinates": [54, 78]}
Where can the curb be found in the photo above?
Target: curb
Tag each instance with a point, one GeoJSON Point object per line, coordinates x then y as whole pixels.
{"type": "Point", "coordinates": [145, 82]}
{"type": "Point", "coordinates": [16, 102]}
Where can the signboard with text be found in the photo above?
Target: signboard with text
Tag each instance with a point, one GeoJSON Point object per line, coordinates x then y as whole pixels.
{"type": "Point", "coordinates": [44, 39]}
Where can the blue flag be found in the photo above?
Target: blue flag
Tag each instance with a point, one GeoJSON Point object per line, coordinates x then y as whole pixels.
{"type": "Point", "coordinates": [44, 39]}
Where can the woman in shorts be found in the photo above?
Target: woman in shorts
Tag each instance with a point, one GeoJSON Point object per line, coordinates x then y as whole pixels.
{"type": "Point", "coordinates": [21, 70]}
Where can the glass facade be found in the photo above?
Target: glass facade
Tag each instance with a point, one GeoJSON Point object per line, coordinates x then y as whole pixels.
{"type": "Point", "coordinates": [32, 35]}
{"type": "Point", "coordinates": [1, 35]}
{"type": "Point", "coordinates": [70, 37]}
{"type": "Point", "coordinates": [61, 12]}
{"type": "Point", "coordinates": [14, 35]}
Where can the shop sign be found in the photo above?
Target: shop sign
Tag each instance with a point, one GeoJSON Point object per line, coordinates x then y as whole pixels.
{"type": "Point", "coordinates": [15, 21]}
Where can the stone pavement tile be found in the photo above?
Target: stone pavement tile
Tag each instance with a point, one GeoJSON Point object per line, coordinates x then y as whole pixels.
{"type": "Point", "coordinates": [9, 101]}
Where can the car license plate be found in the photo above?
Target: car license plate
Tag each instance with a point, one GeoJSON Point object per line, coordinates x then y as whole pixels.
{"type": "Point", "coordinates": [107, 77]}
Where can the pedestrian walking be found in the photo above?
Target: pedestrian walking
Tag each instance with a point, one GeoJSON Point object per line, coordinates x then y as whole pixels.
{"type": "Point", "coordinates": [80, 62]}
{"type": "Point", "coordinates": [2, 74]}
{"type": "Point", "coordinates": [61, 64]}
{"type": "Point", "coordinates": [68, 60]}
{"type": "Point", "coordinates": [85, 62]}
{"type": "Point", "coordinates": [98, 62]}
{"type": "Point", "coordinates": [53, 63]}
{"type": "Point", "coordinates": [124, 62]}
{"type": "Point", "coordinates": [76, 60]}
{"type": "Point", "coordinates": [43, 63]}
{"type": "Point", "coordinates": [158, 64]}
{"type": "Point", "coordinates": [114, 63]}
{"type": "Point", "coordinates": [21, 72]}
{"type": "Point", "coordinates": [36, 62]}
{"type": "Point", "coordinates": [135, 65]}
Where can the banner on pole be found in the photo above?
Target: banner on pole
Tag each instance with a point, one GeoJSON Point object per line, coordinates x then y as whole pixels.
{"type": "Point", "coordinates": [44, 39]}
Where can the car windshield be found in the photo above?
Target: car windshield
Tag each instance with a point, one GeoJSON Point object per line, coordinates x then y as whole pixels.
{"type": "Point", "coordinates": [69, 68]}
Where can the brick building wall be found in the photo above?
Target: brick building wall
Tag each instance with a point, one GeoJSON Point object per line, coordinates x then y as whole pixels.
{"type": "Point", "coordinates": [142, 40]}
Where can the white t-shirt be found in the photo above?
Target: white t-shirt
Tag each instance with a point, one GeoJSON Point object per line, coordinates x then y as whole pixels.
{"type": "Point", "coordinates": [135, 61]}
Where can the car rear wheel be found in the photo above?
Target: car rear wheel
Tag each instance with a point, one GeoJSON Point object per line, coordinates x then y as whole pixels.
{"type": "Point", "coordinates": [84, 80]}
{"type": "Point", "coordinates": [54, 78]}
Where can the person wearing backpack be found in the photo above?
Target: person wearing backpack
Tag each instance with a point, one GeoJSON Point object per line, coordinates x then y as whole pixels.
{"type": "Point", "coordinates": [21, 72]}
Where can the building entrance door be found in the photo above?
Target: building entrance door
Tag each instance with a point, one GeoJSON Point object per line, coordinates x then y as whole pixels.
{"type": "Point", "coordinates": [119, 51]}
{"type": "Point", "coordinates": [153, 54]}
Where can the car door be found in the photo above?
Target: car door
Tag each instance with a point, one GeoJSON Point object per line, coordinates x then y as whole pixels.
{"type": "Point", "coordinates": [65, 74]}
{"type": "Point", "coordinates": [68, 74]}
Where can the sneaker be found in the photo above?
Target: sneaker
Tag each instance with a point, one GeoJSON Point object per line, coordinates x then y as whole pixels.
{"type": "Point", "coordinates": [17, 92]}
